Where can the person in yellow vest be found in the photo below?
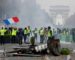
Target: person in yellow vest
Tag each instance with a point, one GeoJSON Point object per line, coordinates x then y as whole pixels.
{"type": "Point", "coordinates": [41, 32]}
{"type": "Point", "coordinates": [45, 34]}
{"type": "Point", "coordinates": [25, 35]}
{"type": "Point", "coordinates": [2, 34]}
{"type": "Point", "coordinates": [28, 30]}
{"type": "Point", "coordinates": [49, 33]}
{"type": "Point", "coordinates": [13, 34]}
{"type": "Point", "coordinates": [28, 34]}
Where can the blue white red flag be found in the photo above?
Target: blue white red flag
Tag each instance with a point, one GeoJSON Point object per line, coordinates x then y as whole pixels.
{"type": "Point", "coordinates": [11, 20]}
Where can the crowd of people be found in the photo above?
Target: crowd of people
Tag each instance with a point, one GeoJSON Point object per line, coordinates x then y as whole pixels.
{"type": "Point", "coordinates": [23, 35]}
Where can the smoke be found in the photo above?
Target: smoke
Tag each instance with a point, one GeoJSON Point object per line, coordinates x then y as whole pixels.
{"type": "Point", "coordinates": [27, 10]}
{"type": "Point", "coordinates": [30, 12]}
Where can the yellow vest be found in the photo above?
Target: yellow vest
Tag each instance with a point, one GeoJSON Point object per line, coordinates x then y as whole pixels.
{"type": "Point", "coordinates": [28, 30]}
{"type": "Point", "coordinates": [25, 31]}
{"type": "Point", "coordinates": [49, 34]}
{"type": "Point", "coordinates": [14, 32]}
{"type": "Point", "coordinates": [2, 31]}
{"type": "Point", "coordinates": [41, 32]}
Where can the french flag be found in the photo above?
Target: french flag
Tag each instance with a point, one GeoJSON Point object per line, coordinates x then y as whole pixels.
{"type": "Point", "coordinates": [11, 20]}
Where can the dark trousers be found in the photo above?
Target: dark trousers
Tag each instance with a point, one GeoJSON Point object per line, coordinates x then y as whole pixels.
{"type": "Point", "coordinates": [41, 38]}
{"type": "Point", "coordinates": [49, 38]}
{"type": "Point", "coordinates": [13, 39]}
{"type": "Point", "coordinates": [19, 40]}
{"type": "Point", "coordinates": [25, 38]}
{"type": "Point", "coordinates": [2, 39]}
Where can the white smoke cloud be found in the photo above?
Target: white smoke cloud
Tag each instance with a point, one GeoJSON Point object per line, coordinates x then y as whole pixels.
{"type": "Point", "coordinates": [45, 4]}
{"type": "Point", "coordinates": [32, 12]}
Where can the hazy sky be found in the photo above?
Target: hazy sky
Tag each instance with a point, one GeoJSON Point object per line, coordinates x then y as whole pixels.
{"type": "Point", "coordinates": [45, 4]}
{"type": "Point", "coordinates": [27, 10]}
{"type": "Point", "coordinates": [32, 12]}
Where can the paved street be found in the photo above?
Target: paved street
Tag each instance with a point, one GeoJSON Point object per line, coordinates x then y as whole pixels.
{"type": "Point", "coordinates": [38, 58]}
{"type": "Point", "coordinates": [8, 47]}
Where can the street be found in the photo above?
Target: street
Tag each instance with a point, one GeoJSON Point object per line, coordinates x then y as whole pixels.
{"type": "Point", "coordinates": [8, 47]}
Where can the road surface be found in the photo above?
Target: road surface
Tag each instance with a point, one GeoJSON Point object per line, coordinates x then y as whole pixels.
{"type": "Point", "coordinates": [8, 47]}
